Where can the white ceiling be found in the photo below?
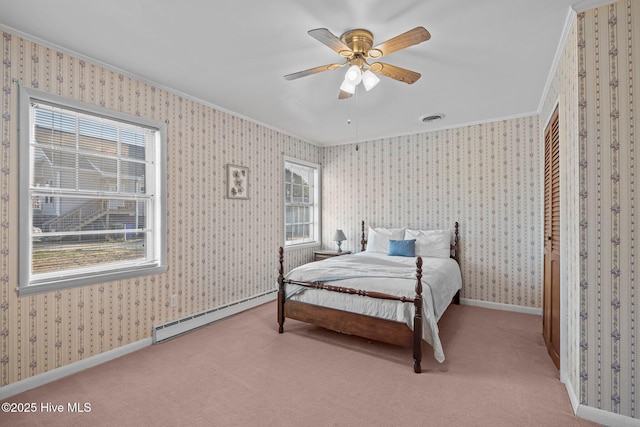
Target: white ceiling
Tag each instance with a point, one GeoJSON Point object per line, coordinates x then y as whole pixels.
{"type": "Point", "coordinates": [486, 60]}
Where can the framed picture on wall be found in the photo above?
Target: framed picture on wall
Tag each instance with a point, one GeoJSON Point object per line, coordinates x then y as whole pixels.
{"type": "Point", "coordinates": [237, 182]}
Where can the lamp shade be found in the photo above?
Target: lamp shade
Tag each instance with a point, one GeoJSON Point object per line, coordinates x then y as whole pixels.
{"type": "Point", "coordinates": [339, 236]}
{"type": "Point", "coordinates": [353, 75]}
{"type": "Point", "coordinates": [369, 80]}
{"type": "Point", "coordinates": [348, 87]}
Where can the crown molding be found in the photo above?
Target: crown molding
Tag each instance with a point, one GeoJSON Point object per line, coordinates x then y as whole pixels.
{"type": "Point", "coordinates": [590, 4]}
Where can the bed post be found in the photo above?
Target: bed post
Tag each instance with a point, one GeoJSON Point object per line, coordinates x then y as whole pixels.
{"type": "Point", "coordinates": [281, 290]}
{"type": "Point", "coordinates": [363, 242]}
{"type": "Point", "coordinates": [417, 320]}
{"type": "Point", "coordinates": [456, 256]}
{"type": "Point", "coordinates": [456, 242]}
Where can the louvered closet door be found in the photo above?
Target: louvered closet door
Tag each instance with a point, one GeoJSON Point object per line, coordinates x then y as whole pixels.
{"type": "Point", "coordinates": [551, 309]}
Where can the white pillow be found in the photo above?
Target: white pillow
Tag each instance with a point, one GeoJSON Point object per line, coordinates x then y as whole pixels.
{"type": "Point", "coordinates": [431, 243]}
{"type": "Point", "coordinates": [378, 240]}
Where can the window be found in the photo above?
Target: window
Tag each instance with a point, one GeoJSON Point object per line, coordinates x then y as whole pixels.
{"type": "Point", "coordinates": [92, 194]}
{"type": "Point", "coordinates": [301, 202]}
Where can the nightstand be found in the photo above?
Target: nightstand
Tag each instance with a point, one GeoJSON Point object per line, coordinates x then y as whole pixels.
{"type": "Point", "coordinates": [320, 255]}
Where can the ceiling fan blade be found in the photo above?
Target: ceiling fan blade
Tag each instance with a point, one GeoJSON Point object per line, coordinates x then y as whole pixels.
{"type": "Point", "coordinates": [397, 73]}
{"type": "Point", "coordinates": [344, 95]}
{"type": "Point", "coordinates": [411, 37]}
{"type": "Point", "coordinates": [311, 71]}
{"type": "Point", "coordinates": [326, 37]}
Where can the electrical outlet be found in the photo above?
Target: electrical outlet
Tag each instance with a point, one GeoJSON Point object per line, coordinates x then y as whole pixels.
{"type": "Point", "coordinates": [173, 301]}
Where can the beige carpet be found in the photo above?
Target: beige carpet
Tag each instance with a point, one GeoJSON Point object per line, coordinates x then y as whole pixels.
{"type": "Point", "coordinates": [241, 372]}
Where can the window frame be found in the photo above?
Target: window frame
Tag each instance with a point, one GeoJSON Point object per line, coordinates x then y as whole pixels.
{"type": "Point", "coordinates": [156, 178]}
{"type": "Point", "coordinates": [317, 195]}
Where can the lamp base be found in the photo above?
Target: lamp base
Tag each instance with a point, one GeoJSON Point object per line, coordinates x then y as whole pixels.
{"type": "Point", "coordinates": [339, 242]}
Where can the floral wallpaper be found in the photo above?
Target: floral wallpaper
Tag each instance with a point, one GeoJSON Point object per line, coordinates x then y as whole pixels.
{"type": "Point", "coordinates": [486, 177]}
{"type": "Point", "coordinates": [607, 62]}
{"type": "Point", "coordinates": [596, 79]}
{"type": "Point", "coordinates": [563, 90]}
{"type": "Point", "coordinates": [219, 250]}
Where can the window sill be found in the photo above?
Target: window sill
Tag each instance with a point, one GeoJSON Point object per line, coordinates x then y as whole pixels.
{"type": "Point", "coordinates": [302, 246]}
{"type": "Point", "coordinates": [89, 279]}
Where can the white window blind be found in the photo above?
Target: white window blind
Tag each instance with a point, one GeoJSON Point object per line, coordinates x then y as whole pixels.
{"type": "Point", "coordinates": [302, 202]}
{"type": "Point", "coordinates": [92, 194]}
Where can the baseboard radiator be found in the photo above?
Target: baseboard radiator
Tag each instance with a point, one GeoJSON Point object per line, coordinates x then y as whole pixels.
{"type": "Point", "coordinates": [181, 326]}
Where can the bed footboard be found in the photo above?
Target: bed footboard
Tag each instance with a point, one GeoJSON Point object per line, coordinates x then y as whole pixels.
{"type": "Point", "coordinates": [387, 331]}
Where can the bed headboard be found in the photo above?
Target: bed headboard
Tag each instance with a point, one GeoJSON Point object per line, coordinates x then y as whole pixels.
{"type": "Point", "coordinates": [455, 246]}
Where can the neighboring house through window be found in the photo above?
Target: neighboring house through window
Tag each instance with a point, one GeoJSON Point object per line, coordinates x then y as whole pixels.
{"type": "Point", "coordinates": [92, 194]}
{"type": "Point", "coordinates": [301, 203]}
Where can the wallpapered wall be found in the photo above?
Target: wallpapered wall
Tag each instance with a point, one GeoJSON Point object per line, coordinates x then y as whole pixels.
{"type": "Point", "coordinates": [219, 250]}
{"type": "Point", "coordinates": [564, 90]}
{"type": "Point", "coordinates": [486, 177]}
{"type": "Point", "coordinates": [596, 77]}
{"type": "Point", "coordinates": [608, 65]}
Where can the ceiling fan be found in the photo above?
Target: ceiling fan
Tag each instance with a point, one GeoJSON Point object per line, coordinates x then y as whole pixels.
{"type": "Point", "coordinates": [356, 46]}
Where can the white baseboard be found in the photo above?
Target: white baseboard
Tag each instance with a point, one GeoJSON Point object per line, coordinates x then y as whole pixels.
{"type": "Point", "coordinates": [606, 418]}
{"type": "Point", "coordinates": [572, 396]}
{"type": "Point", "coordinates": [500, 306]}
{"type": "Point", "coordinates": [70, 369]}
{"type": "Point", "coordinates": [596, 415]}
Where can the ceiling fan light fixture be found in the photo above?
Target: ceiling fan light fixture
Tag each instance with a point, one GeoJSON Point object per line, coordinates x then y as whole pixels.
{"type": "Point", "coordinates": [348, 87]}
{"type": "Point", "coordinates": [356, 46]}
{"type": "Point", "coordinates": [353, 75]}
{"type": "Point", "coordinates": [369, 80]}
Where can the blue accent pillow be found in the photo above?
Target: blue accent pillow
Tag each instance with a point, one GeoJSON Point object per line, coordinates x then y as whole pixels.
{"type": "Point", "coordinates": [402, 247]}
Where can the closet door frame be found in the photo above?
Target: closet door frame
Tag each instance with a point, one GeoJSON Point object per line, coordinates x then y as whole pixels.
{"type": "Point", "coordinates": [561, 107]}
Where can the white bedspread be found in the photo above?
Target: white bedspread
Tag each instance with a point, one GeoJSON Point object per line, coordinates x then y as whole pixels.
{"type": "Point", "coordinates": [378, 272]}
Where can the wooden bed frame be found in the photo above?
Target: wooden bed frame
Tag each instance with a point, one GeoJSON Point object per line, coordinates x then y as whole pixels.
{"type": "Point", "coordinates": [383, 330]}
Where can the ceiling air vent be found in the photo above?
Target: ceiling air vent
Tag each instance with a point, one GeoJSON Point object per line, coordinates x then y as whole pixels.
{"type": "Point", "coordinates": [427, 118]}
